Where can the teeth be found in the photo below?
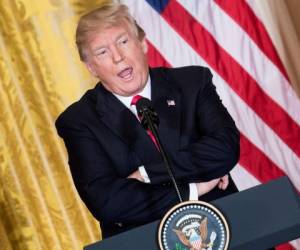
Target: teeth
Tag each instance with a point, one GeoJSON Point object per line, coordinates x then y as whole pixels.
{"type": "Point", "coordinates": [126, 73]}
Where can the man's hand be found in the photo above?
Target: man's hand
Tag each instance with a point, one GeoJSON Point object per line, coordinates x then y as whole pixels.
{"type": "Point", "coordinates": [205, 187]}
{"type": "Point", "coordinates": [223, 183]}
{"type": "Point", "coordinates": [136, 175]}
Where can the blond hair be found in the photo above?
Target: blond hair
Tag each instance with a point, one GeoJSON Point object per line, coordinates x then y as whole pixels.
{"type": "Point", "coordinates": [106, 16]}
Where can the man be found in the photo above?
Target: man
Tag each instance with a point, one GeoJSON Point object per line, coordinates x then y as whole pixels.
{"type": "Point", "coordinates": [115, 165]}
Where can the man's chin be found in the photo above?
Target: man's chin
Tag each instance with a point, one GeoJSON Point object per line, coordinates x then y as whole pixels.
{"type": "Point", "coordinates": [132, 92]}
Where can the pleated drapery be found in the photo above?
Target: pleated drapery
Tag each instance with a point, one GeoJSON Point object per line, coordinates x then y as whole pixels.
{"type": "Point", "coordinates": [282, 21]}
{"type": "Point", "coordinates": [40, 74]}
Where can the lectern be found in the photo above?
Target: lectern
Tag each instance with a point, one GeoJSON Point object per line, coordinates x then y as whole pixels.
{"type": "Point", "coordinates": [259, 218]}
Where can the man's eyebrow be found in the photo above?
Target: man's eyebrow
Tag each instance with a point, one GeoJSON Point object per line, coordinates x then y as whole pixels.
{"type": "Point", "coordinates": [117, 38]}
{"type": "Point", "coordinates": [122, 34]}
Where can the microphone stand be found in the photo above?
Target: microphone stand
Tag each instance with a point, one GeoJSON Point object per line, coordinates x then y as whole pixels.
{"type": "Point", "coordinates": [153, 128]}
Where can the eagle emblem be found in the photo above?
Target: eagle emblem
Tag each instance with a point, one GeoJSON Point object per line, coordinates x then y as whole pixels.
{"type": "Point", "coordinates": [193, 225]}
{"type": "Point", "coordinates": [194, 236]}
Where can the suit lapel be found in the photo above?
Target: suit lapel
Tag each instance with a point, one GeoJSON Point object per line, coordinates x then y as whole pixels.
{"type": "Point", "coordinates": [124, 124]}
{"type": "Point", "coordinates": [166, 100]}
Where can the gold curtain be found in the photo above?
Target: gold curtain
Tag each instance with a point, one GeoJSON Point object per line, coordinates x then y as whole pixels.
{"type": "Point", "coordinates": [40, 74]}
{"type": "Point", "coordinates": [282, 21]}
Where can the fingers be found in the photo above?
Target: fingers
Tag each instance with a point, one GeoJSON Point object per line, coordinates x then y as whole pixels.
{"type": "Point", "coordinates": [223, 183]}
{"type": "Point", "coordinates": [205, 187]}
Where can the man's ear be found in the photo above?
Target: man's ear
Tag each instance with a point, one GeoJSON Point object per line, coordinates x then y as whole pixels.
{"type": "Point", "coordinates": [144, 45]}
{"type": "Point", "coordinates": [91, 69]}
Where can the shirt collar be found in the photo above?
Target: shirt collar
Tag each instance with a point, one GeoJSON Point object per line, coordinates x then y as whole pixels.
{"type": "Point", "coordinates": [146, 92]}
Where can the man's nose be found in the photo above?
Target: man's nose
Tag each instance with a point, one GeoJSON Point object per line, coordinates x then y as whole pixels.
{"type": "Point", "coordinates": [117, 55]}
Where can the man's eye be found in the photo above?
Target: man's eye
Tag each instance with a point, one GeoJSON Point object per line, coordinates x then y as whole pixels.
{"type": "Point", "coordinates": [123, 41]}
{"type": "Point", "coordinates": [101, 53]}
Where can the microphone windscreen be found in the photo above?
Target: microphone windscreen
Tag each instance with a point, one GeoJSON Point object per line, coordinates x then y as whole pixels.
{"type": "Point", "coordinates": [143, 104]}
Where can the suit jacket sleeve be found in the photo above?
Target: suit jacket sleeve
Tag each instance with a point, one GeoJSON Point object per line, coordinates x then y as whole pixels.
{"type": "Point", "coordinates": [214, 150]}
{"type": "Point", "coordinates": [109, 197]}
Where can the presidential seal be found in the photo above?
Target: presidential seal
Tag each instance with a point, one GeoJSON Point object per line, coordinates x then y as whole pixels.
{"type": "Point", "coordinates": [193, 225]}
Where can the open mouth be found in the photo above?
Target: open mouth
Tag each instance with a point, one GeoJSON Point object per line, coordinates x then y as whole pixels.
{"type": "Point", "coordinates": [126, 74]}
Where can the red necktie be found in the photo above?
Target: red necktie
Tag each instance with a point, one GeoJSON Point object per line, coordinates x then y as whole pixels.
{"type": "Point", "coordinates": [133, 102]}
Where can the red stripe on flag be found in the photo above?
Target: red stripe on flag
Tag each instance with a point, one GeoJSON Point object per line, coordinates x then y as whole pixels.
{"type": "Point", "coordinates": [240, 11]}
{"type": "Point", "coordinates": [155, 58]}
{"type": "Point", "coordinates": [285, 246]}
{"type": "Point", "coordinates": [232, 72]}
{"type": "Point", "coordinates": [257, 163]}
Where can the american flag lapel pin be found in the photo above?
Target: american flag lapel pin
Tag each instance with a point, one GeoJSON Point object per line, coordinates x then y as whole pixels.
{"type": "Point", "coordinates": [170, 103]}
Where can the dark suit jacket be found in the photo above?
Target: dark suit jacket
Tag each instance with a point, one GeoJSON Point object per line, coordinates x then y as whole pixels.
{"type": "Point", "coordinates": [106, 143]}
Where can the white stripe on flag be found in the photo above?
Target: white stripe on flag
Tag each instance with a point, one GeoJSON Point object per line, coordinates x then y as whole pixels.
{"type": "Point", "coordinates": [243, 178]}
{"type": "Point", "coordinates": [229, 35]}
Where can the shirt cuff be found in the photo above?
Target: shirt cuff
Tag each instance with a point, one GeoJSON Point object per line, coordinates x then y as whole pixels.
{"type": "Point", "coordinates": [144, 174]}
{"type": "Point", "coordinates": [193, 192]}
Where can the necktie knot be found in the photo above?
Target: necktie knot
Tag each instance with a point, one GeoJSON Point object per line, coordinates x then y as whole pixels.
{"type": "Point", "coordinates": [135, 99]}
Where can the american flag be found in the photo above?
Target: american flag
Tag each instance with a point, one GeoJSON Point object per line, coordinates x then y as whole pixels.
{"type": "Point", "coordinates": [228, 37]}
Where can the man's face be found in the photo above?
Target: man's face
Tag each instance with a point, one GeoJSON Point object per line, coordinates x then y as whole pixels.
{"type": "Point", "coordinates": [118, 58]}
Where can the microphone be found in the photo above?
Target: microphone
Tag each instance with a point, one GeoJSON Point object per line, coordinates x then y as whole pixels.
{"type": "Point", "coordinates": [150, 121]}
{"type": "Point", "coordinates": [145, 109]}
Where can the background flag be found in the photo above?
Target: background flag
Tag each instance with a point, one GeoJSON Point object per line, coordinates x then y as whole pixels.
{"type": "Point", "coordinates": [229, 38]}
